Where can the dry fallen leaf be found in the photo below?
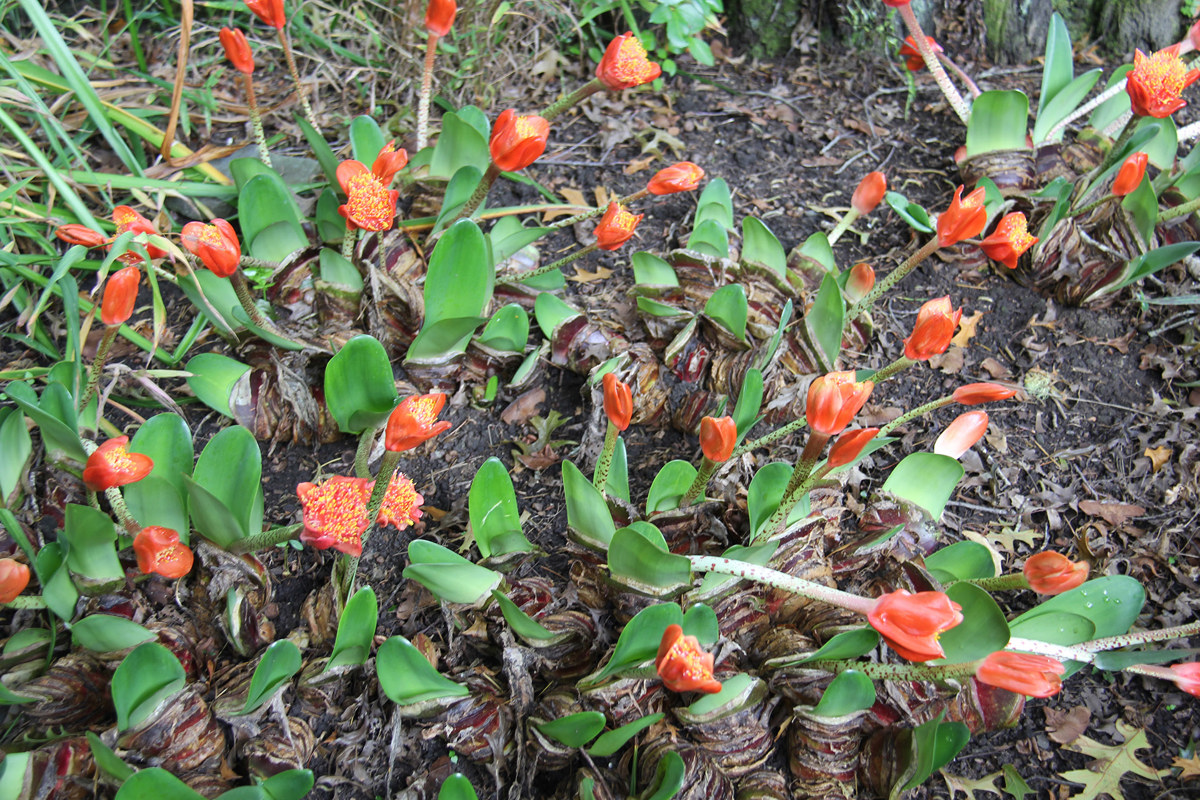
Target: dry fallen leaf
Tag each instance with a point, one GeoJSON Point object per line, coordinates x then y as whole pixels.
{"type": "Point", "coordinates": [995, 368]}
{"type": "Point", "coordinates": [1065, 727]}
{"type": "Point", "coordinates": [1112, 513]}
{"type": "Point", "coordinates": [949, 362]}
{"type": "Point", "coordinates": [966, 329]}
{"type": "Point", "coordinates": [639, 164]}
{"type": "Point", "coordinates": [1159, 456]}
{"type": "Point", "coordinates": [583, 276]}
{"type": "Point", "coordinates": [521, 410]}
{"type": "Point", "coordinates": [573, 197]}
{"type": "Point", "coordinates": [1190, 767]}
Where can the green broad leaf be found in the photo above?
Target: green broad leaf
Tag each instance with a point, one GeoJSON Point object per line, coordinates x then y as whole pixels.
{"type": "Point", "coordinates": [668, 777]}
{"type": "Point", "coordinates": [760, 247]}
{"type": "Point", "coordinates": [503, 248]}
{"type": "Point", "coordinates": [214, 378]}
{"type": "Point", "coordinates": [147, 678]}
{"type": "Point", "coordinates": [459, 145]}
{"type": "Point", "coordinates": [107, 760]}
{"type": "Point", "coordinates": [824, 320]}
{"type": "Point", "coordinates": [1058, 108]}
{"type": "Point", "coordinates": [715, 203]}
{"type": "Point", "coordinates": [407, 677]}
{"type": "Point", "coordinates": [1142, 205]}
{"type": "Point", "coordinates": [951, 738]}
{"type": "Point", "coordinates": [156, 782]}
{"type": "Point", "coordinates": [729, 308]}
{"type": "Point", "coordinates": [161, 497]}
{"type": "Point", "coordinates": [983, 630]}
{"type": "Point", "coordinates": [1115, 107]}
{"type": "Point", "coordinates": [850, 692]}
{"type": "Point", "coordinates": [612, 741]}
{"type": "Point", "coordinates": [656, 309]}
{"type": "Point", "coordinates": [10, 698]}
{"type": "Point", "coordinates": [213, 296]}
{"type": "Point", "coordinates": [279, 662]}
{"type": "Point", "coordinates": [921, 754]}
{"type": "Point", "coordinates": [458, 192]}
{"type": "Point", "coordinates": [714, 582]}
{"type": "Point", "coordinates": [12, 774]}
{"type": "Point", "coordinates": [638, 642]}
{"type": "Point", "coordinates": [926, 480]}
{"type": "Point", "coordinates": [1150, 263]}
{"type": "Point", "coordinates": [589, 521]}
{"type": "Point", "coordinates": [998, 122]}
{"type": "Point", "coordinates": [457, 787]}
{"type": "Point", "coordinates": [915, 215]}
{"type": "Point", "coordinates": [574, 730]}
{"type": "Point", "coordinates": [460, 276]}
{"type": "Point", "coordinates": [817, 248]}
{"type": "Point", "coordinates": [961, 561]}
{"type": "Point", "coordinates": [1059, 190]}
{"type": "Point", "coordinates": [749, 401]}
{"type": "Point", "coordinates": [650, 270]}
{"type": "Point", "coordinates": [58, 590]}
{"type": "Point", "coordinates": [360, 387]}
{"type": "Point", "coordinates": [1120, 659]}
{"type": "Point", "coordinates": [230, 470]}
{"type": "Point", "coordinates": [711, 238]}
{"type": "Point", "coordinates": [291, 784]}
{"type": "Point", "coordinates": [1058, 68]}
{"type": "Point", "coordinates": [17, 447]}
{"type": "Point", "coordinates": [320, 148]}
{"type": "Point", "coordinates": [550, 311]}
{"type": "Point", "coordinates": [90, 538]}
{"type": "Point", "coordinates": [617, 484]}
{"type": "Point", "coordinates": [336, 269]}
{"type": "Point", "coordinates": [1162, 146]}
{"type": "Point", "coordinates": [640, 562]}
{"type": "Point", "coordinates": [356, 630]}
{"type": "Point", "coordinates": [507, 330]}
{"type": "Point", "coordinates": [522, 624]}
{"type": "Point", "coordinates": [105, 633]}
{"type": "Point", "coordinates": [264, 201]}
{"type": "Point", "coordinates": [492, 506]}
{"type": "Point", "coordinates": [277, 241]}
{"type": "Point", "coordinates": [60, 434]}
{"type": "Point", "coordinates": [1112, 603]}
{"type": "Point", "coordinates": [767, 353]}
{"type": "Point", "coordinates": [670, 485]}
{"type": "Point", "coordinates": [442, 341]}
{"type": "Point", "coordinates": [478, 120]}
{"type": "Point", "coordinates": [766, 492]}
{"type": "Point", "coordinates": [449, 576]}
{"type": "Point", "coordinates": [845, 645]}
{"type": "Point", "coordinates": [211, 517]}
{"type": "Point", "coordinates": [366, 139]}
{"type": "Point", "coordinates": [1055, 627]}
{"type": "Point", "coordinates": [701, 621]}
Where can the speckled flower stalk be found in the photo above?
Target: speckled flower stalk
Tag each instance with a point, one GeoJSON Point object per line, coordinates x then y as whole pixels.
{"type": "Point", "coordinates": [774, 436]}
{"type": "Point", "coordinates": [31, 601]}
{"type": "Point", "coordinates": [798, 482]}
{"type": "Point", "coordinates": [291, 65]}
{"type": "Point", "coordinates": [246, 299]}
{"type": "Point", "coordinates": [957, 102]}
{"type": "Point", "coordinates": [604, 463]}
{"type": "Point", "coordinates": [521, 277]}
{"type": "Point", "coordinates": [571, 100]}
{"type": "Point", "coordinates": [919, 411]}
{"type": "Point", "coordinates": [781, 580]}
{"type": "Point", "coordinates": [348, 243]}
{"type": "Point", "coordinates": [891, 370]}
{"type": "Point", "coordinates": [266, 539]}
{"type": "Point", "coordinates": [426, 89]}
{"type": "Point", "coordinates": [260, 135]}
{"type": "Point", "coordinates": [891, 279]}
{"type": "Point", "coordinates": [477, 196]}
{"type": "Point", "coordinates": [595, 212]}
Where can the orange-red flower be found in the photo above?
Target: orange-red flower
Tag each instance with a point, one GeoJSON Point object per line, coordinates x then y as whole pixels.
{"type": "Point", "coordinates": [14, 577]}
{"type": "Point", "coordinates": [1129, 176]}
{"type": "Point", "coordinates": [962, 434]}
{"type": "Point", "coordinates": [834, 399]}
{"type": "Point", "coordinates": [516, 141]}
{"type": "Point", "coordinates": [237, 50]}
{"type": "Point", "coordinates": [1054, 573]}
{"type": "Point", "coordinates": [335, 513]}
{"type": "Point", "coordinates": [216, 246]}
{"type": "Point", "coordinates": [848, 446]}
{"type": "Point", "coordinates": [159, 550]}
{"type": "Point", "coordinates": [269, 11]}
{"type": "Point", "coordinates": [616, 227]}
{"type": "Point", "coordinates": [414, 421]}
{"type": "Point", "coordinates": [869, 192]}
{"type": "Point", "coordinates": [913, 59]}
{"type": "Point", "coordinates": [401, 503]}
{"type": "Point", "coordinates": [120, 296]}
{"type": "Point", "coordinates": [1009, 241]}
{"type": "Point", "coordinates": [975, 393]}
{"type": "Point", "coordinates": [1035, 676]}
{"type": "Point", "coordinates": [1156, 83]}
{"type": "Point", "coordinates": [618, 401]}
{"type": "Point", "coordinates": [81, 234]}
{"type": "Point", "coordinates": [896, 3]}
{"type": "Point", "coordinates": [682, 665]}
{"type": "Point", "coordinates": [717, 438]}
{"type": "Point", "coordinates": [933, 330]}
{"type": "Point", "coordinates": [965, 218]}
{"type": "Point", "coordinates": [389, 162]}
{"type": "Point", "coordinates": [370, 205]}
{"type": "Point", "coordinates": [111, 465]}
{"type": "Point", "coordinates": [439, 16]}
{"type": "Point", "coordinates": [1187, 677]}
{"type": "Point", "coordinates": [625, 64]}
{"type": "Point", "coordinates": [910, 623]}
{"type": "Point", "coordinates": [682, 177]}
{"type": "Point", "coordinates": [860, 281]}
{"type": "Point", "coordinates": [127, 219]}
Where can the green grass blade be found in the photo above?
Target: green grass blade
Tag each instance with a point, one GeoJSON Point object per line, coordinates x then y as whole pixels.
{"type": "Point", "coordinates": [68, 194]}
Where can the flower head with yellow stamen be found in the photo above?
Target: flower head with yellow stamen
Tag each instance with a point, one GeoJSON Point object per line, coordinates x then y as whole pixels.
{"type": "Point", "coordinates": [370, 205]}
{"type": "Point", "coordinates": [1156, 83]}
{"type": "Point", "coordinates": [625, 64]}
{"type": "Point", "coordinates": [335, 513]}
{"type": "Point", "coordinates": [401, 504]}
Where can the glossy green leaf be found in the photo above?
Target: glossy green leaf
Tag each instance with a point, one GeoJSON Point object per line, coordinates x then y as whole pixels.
{"type": "Point", "coordinates": [12, 774]}
{"type": "Point", "coordinates": [522, 624]}
{"type": "Point", "coordinates": [60, 433]}
{"type": "Point", "coordinates": [145, 679]}
{"type": "Point", "coordinates": [650, 270]}
{"type": "Point", "coordinates": [670, 485]}
{"type": "Point", "coordinates": [291, 784]}
{"type": "Point", "coordinates": [824, 320]}
{"type": "Point", "coordinates": [983, 630]}
{"type": "Point", "coordinates": [211, 517]}
{"type": "Point", "coordinates": [1058, 66]}
{"type": "Point", "coordinates": [767, 354]}
{"type": "Point", "coordinates": [366, 139]}
{"type": "Point", "coordinates": [157, 783]}
{"type": "Point", "coordinates": [320, 148]}
{"type": "Point", "coordinates": [915, 215]}
{"type": "Point", "coordinates": [492, 506]}
{"type": "Point", "coordinates": [589, 521]}
{"type": "Point", "coordinates": [551, 311]}
{"type": "Point", "coordinates": [734, 691]}
{"type": "Point", "coordinates": [58, 590]}
{"type": "Point", "coordinates": [711, 238]}
{"type": "Point", "coordinates": [356, 630]}
{"type": "Point", "coordinates": [264, 201]}
{"type": "Point", "coordinates": [336, 269]}
{"type": "Point", "coordinates": [729, 308]}
{"type": "Point", "coordinates": [715, 203]}
{"type": "Point", "coordinates": [10, 698]}
{"type": "Point", "coordinates": [845, 645]}
{"type": "Point", "coordinates": [1120, 659]}
{"type": "Point", "coordinates": [759, 246]}
{"type": "Point", "coordinates": [1055, 627]}
{"type": "Point", "coordinates": [574, 730]}
{"type": "Point", "coordinates": [229, 470]}
{"type": "Point", "coordinates": [460, 277]}
{"type": "Point", "coordinates": [507, 330]}
{"type": "Point", "coordinates": [449, 576]}
{"type": "Point", "coordinates": [90, 538]}
{"type": "Point", "coordinates": [638, 563]}
{"type": "Point", "coordinates": [610, 742]}
{"type": "Point", "coordinates": [505, 246]}
{"type": "Point", "coordinates": [701, 621]}
{"type": "Point", "coordinates": [766, 492]}
{"type": "Point", "coordinates": [459, 190]}
{"type": "Point", "coordinates": [1162, 146]}
{"type": "Point", "coordinates": [1142, 205]}
{"type": "Point", "coordinates": [617, 484]}
{"type": "Point", "coordinates": [951, 738]}
{"type": "Point", "coordinates": [279, 662]}
{"type": "Point", "coordinates": [161, 497]}
{"type": "Point", "coordinates": [459, 145]}
{"type": "Point", "coordinates": [1058, 108]}
{"type": "Point", "coordinates": [749, 401]}
{"type": "Point", "coordinates": [961, 561]}
{"type": "Point", "coordinates": [214, 378]}
{"type": "Point", "coordinates": [1150, 263]}
{"type": "Point", "coordinates": [817, 248]}
{"type": "Point", "coordinates": [638, 642]}
{"type": "Point", "coordinates": [360, 388]}
{"type": "Point", "coordinates": [457, 787]}
{"type": "Point", "coordinates": [277, 241]}
{"type": "Point", "coordinates": [17, 447]}
{"type": "Point", "coordinates": [849, 692]}
{"type": "Point", "coordinates": [926, 480]}
{"type": "Point", "coordinates": [105, 633]}
{"type": "Point", "coordinates": [442, 341]}
{"type": "Point", "coordinates": [998, 122]}
{"type": "Point", "coordinates": [668, 777]}
{"type": "Point", "coordinates": [654, 308]}
{"type": "Point", "coordinates": [214, 296]}
{"type": "Point", "coordinates": [107, 760]}
{"type": "Point", "coordinates": [407, 677]}
{"type": "Point", "coordinates": [1115, 107]}
{"type": "Point", "coordinates": [1111, 603]}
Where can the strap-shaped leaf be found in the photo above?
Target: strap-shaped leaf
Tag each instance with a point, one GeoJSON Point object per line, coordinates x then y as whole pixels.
{"type": "Point", "coordinates": [279, 662]}
{"type": "Point", "coordinates": [148, 677]}
{"type": "Point", "coordinates": [356, 629]}
{"type": "Point", "coordinates": [360, 388]}
{"type": "Point", "coordinates": [407, 678]}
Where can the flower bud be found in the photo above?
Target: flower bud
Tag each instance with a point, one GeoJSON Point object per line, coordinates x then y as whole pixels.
{"type": "Point", "coordinates": [718, 438]}
{"type": "Point", "coordinates": [869, 192]}
{"type": "Point", "coordinates": [237, 50]}
{"type": "Point", "coordinates": [1053, 573]}
{"type": "Point", "coordinates": [439, 16]}
{"type": "Point", "coordinates": [933, 330]}
{"type": "Point", "coordinates": [120, 296]}
{"type": "Point", "coordinates": [618, 401]}
{"type": "Point", "coordinates": [1129, 176]}
{"type": "Point", "coordinates": [517, 142]}
{"type": "Point", "coordinates": [961, 435]}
